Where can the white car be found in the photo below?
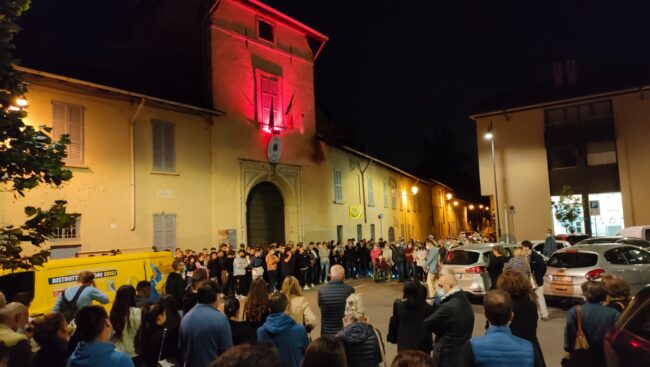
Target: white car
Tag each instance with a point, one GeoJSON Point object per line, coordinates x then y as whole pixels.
{"type": "Point", "coordinates": [538, 245]}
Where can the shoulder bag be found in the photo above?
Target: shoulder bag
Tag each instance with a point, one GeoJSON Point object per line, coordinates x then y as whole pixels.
{"type": "Point", "coordinates": [165, 362]}
{"type": "Point", "coordinates": [393, 325]}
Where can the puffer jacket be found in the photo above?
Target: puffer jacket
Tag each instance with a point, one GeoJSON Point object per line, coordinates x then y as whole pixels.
{"type": "Point", "coordinates": [331, 300]}
{"type": "Point", "coordinates": [361, 345]}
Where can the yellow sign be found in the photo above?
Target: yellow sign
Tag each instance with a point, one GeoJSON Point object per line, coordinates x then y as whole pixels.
{"type": "Point", "coordinates": [356, 211]}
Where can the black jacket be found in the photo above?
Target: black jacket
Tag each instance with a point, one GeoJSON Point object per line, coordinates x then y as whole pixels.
{"type": "Point", "coordinates": [411, 333]}
{"type": "Point", "coordinates": [361, 345]}
{"type": "Point", "coordinates": [495, 268]}
{"type": "Point", "coordinates": [175, 287]}
{"type": "Point", "coordinates": [538, 266]}
{"type": "Point", "coordinates": [524, 323]}
{"type": "Point", "coordinates": [51, 356]}
{"type": "Point", "coordinates": [331, 300]}
{"type": "Point", "coordinates": [453, 322]}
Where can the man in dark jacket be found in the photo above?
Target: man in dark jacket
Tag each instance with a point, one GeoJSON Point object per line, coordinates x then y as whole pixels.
{"type": "Point", "coordinates": [452, 321]}
{"type": "Point", "coordinates": [399, 258]}
{"type": "Point", "coordinates": [350, 258]}
{"type": "Point", "coordinates": [175, 284]}
{"type": "Point", "coordinates": [499, 348]}
{"type": "Point", "coordinates": [538, 267]}
{"type": "Point", "coordinates": [289, 338]}
{"type": "Point", "coordinates": [331, 300]}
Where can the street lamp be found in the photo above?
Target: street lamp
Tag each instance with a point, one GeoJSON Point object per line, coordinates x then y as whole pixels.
{"type": "Point", "coordinates": [471, 207]}
{"type": "Point", "coordinates": [455, 203]}
{"type": "Point", "coordinates": [414, 189]}
{"type": "Point", "coordinates": [449, 196]}
{"type": "Point", "coordinates": [490, 136]}
{"type": "Point", "coordinates": [480, 206]}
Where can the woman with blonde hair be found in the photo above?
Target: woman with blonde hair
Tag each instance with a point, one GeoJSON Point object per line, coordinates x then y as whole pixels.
{"type": "Point", "coordinates": [363, 344]}
{"type": "Point", "coordinates": [519, 262]}
{"type": "Point", "coordinates": [299, 309]}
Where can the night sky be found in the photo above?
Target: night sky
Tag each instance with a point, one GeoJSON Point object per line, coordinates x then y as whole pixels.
{"type": "Point", "coordinates": [397, 78]}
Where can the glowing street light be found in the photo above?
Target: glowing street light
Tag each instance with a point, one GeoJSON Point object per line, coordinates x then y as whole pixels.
{"type": "Point", "coordinates": [480, 206]}
{"type": "Point", "coordinates": [414, 189]}
{"type": "Point", "coordinates": [449, 196]}
{"type": "Point", "coordinates": [455, 202]}
{"type": "Point", "coordinates": [471, 207]}
{"type": "Point", "coordinates": [21, 102]}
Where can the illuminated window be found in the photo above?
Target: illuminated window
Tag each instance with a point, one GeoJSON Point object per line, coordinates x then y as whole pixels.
{"type": "Point", "coordinates": [269, 104]}
{"type": "Point", "coordinates": [601, 153]}
{"type": "Point", "coordinates": [265, 31]}
{"type": "Point", "coordinates": [69, 119]}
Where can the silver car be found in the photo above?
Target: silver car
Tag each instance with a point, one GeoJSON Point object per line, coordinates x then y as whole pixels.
{"type": "Point", "coordinates": [470, 262]}
{"type": "Point", "coordinates": [568, 268]}
{"type": "Point", "coordinates": [538, 245]}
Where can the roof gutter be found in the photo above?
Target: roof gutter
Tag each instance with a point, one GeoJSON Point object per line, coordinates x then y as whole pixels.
{"type": "Point", "coordinates": [119, 91]}
{"type": "Point", "coordinates": [475, 117]}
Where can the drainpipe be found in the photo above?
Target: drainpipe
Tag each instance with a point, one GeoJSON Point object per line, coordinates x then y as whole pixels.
{"type": "Point", "coordinates": [132, 141]}
{"type": "Point", "coordinates": [363, 189]}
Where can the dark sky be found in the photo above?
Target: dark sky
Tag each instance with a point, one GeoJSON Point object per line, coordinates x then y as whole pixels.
{"type": "Point", "coordinates": [398, 77]}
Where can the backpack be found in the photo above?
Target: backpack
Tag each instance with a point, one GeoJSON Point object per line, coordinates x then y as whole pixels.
{"type": "Point", "coordinates": [69, 308]}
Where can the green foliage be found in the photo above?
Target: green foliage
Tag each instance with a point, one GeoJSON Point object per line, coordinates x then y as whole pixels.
{"type": "Point", "coordinates": [28, 156]}
{"type": "Point", "coordinates": [568, 210]}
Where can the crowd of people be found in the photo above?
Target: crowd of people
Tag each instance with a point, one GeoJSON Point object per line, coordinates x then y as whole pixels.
{"type": "Point", "coordinates": [245, 308]}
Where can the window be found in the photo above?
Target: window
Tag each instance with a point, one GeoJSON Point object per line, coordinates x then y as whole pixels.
{"type": "Point", "coordinates": [371, 193]}
{"type": "Point", "coordinates": [572, 260]}
{"type": "Point", "coordinates": [393, 197]}
{"type": "Point", "coordinates": [639, 323]}
{"type": "Point", "coordinates": [164, 231]}
{"type": "Point", "coordinates": [579, 114]}
{"type": "Point", "coordinates": [164, 146]}
{"type": "Point", "coordinates": [339, 233]}
{"type": "Point", "coordinates": [269, 104]}
{"type": "Point", "coordinates": [372, 231]}
{"type": "Point", "coordinates": [385, 194]}
{"type": "Point", "coordinates": [69, 119]}
{"type": "Point", "coordinates": [68, 233]}
{"type": "Point", "coordinates": [563, 158]}
{"type": "Point", "coordinates": [601, 153]}
{"type": "Point", "coordinates": [265, 31]}
{"type": "Point", "coordinates": [338, 186]}
{"type": "Point", "coordinates": [401, 202]}
{"type": "Point", "coordinates": [616, 257]}
{"type": "Point", "coordinates": [359, 232]}
{"type": "Point", "coordinates": [636, 256]}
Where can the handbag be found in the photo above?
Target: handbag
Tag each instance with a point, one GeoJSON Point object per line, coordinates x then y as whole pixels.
{"type": "Point", "coordinates": [393, 325]}
{"type": "Point", "coordinates": [382, 347]}
{"type": "Point", "coordinates": [581, 339]}
{"type": "Point", "coordinates": [580, 355]}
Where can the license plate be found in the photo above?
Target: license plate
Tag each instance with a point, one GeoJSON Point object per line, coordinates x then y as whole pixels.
{"type": "Point", "coordinates": [560, 278]}
{"type": "Point", "coordinates": [459, 276]}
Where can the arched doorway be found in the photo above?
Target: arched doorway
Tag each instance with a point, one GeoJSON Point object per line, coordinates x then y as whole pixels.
{"type": "Point", "coordinates": [391, 234]}
{"type": "Point", "coordinates": [264, 215]}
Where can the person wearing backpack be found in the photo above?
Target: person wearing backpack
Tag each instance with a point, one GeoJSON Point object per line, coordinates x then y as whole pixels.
{"type": "Point", "coordinates": [76, 297]}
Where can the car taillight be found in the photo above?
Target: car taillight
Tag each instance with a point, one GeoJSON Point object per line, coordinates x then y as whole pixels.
{"type": "Point", "coordinates": [475, 270]}
{"type": "Point", "coordinates": [594, 274]}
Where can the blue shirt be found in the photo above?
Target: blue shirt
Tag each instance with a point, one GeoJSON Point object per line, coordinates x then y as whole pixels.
{"type": "Point", "coordinates": [205, 334]}
{"type": "Point", "coordinates": [432, 260]}
{"type": "Point", "coordinates": [86, 298]}
{"type": "Point", "coordinates": [98, 354]}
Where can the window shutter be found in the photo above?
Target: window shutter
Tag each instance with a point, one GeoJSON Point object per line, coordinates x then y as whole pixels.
{"type": "Point", "coordinates": [169, 148]}
{"type": "Point", "coordinates": [59, 121]}
{"type": "Point", "coordinates": [275, 99]}
{"type": "Point", "coordinates": [158, 230]}
{"type": "Point", "coordinates": [76, 128]}
{"type": "Point", "coordinates": [385, 194]}
{"type": "Point", "coordinates": [338, 186]}
{"type": "Point", "coordinates": [371, 193]}
{"type": "Point", "coordinates": [164, 146]}
{"type": "Point", "coordinates": [170, 232]}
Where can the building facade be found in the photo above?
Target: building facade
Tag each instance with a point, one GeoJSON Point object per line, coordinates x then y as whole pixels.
{"type": "Point", "coordinates": [594, 144]}
{"type": "Point", "coordinates": [251, 169]}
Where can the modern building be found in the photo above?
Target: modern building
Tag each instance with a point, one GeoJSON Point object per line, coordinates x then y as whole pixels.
{"type": "Point", "coordinates": [250, 168]}
{"type": "Point", "coordinates": [592, 138]}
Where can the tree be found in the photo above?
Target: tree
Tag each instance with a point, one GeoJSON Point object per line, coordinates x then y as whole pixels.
{"type": "Point", "coordinates": [568, 210]}
{"type": "Point", "coordinates": [28, 156]}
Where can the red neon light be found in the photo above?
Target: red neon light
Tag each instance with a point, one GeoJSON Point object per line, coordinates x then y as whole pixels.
{"type": "Point", "coordinates": [635, 343]}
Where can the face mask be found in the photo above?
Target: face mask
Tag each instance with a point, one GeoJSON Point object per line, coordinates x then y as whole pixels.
{"type": "Point", "coordinates": [440, 293]}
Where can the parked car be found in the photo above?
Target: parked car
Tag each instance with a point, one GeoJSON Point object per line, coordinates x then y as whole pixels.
{"type": "Point", "coordinates": [637, 231]}
{"type": "Point", "coordinates": [538, 245]}
{"type": "Point", "coordinates": [617, 239]}
{"type": "Point", "coordinates": [572, 238]}
{"type": "Point", "coordinates": [470, 263]}
{"type": "Point", "coordinates": [568, 268]}
{"type": "Point", "coordinates": [628, 342]}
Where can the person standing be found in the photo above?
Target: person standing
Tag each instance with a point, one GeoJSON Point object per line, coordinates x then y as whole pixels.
{"type": "Point", "coordinates": [205, 332]}
{"type": "Point", "coordinates": [272, 261]}
{"type": "Point", "coordinates": [596, 320]}
{"type": "Point", "coordinates": [399, 259]}
{"type": "Point", "coordinates": [287, 263]}
{"type": "Point", "coordinates": [411, 313]}
{"type": "Point", "coordinates": [331, 301]}
{"type": "Point", "coordinates": [302, 264]}
{"type": "Point", "coordinates": [239, 270]}
{"type": "Point", "coordinates": [299, 309]}
{"type": "Point", "coordinates": [524, 307]}
{"type": "Point", "coordinates": [452, 321]}
{"type": "Point", "coordinates": [420, 262]}
{"type": "Point", "coordinates": [13, 317]}
{"type": "Point", "coordinates": [283, 332]}
{"type": "Point", "coordinates": [550, 245]}
{"type": "Point", "coordinates": [126, 319]}
{"type": "Point", "coordinates": [51, 332]}
{"type": "Point", "coordinates": [363, 346]}
{"type": "Point", "coordinates": [349, 259]}
{"type": "Point", "coordinates": [94, 349]}
{"type": "Point", "coordinates": [537, 267]}
{"type": "Point", "coordinates": [409, 253]}
{"type": "Point", "coordinates": [431, 267]}
{"type": "Point", "coordinates": [324, 256]}
{"type": "Point", "coordinates": [175, 284]}
{"type": "Point", "coordinates": [495, 266]}
{"type": "Point", "coordinates": [76, 297]}
{"type": "Point", "coordinates": [499, 348]}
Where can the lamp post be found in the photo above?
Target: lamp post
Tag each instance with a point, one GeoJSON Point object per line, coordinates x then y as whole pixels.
{"type": "Point", "coordinates": [489, 136]}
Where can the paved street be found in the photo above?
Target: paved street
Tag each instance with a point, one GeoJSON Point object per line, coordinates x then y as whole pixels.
{"type": "Point", "coordinates": [379, 297]}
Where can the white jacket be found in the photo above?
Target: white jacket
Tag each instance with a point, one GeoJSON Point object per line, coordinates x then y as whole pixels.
{"type": "Point", "coordinates": [300, 312]}
{"type": "Point", "coordinates": [126, 345]}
